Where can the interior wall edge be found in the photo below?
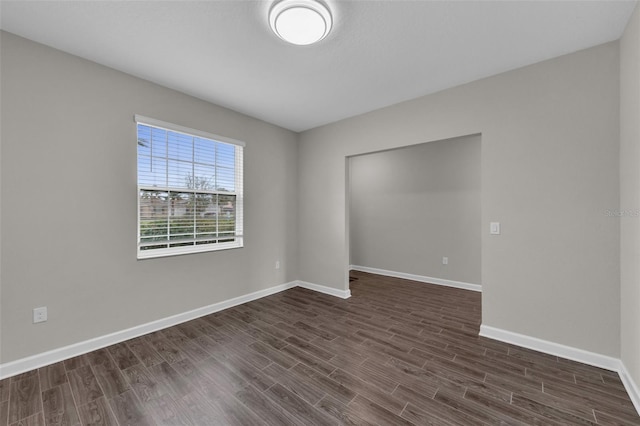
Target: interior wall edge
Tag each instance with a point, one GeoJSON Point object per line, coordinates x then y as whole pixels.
{"type": "Point", "coordinates": [630, 385]}
{"type": "Point", "coordinates": [630, 198]}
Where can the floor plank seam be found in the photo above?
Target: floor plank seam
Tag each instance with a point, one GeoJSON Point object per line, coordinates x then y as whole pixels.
{"type": "Point", "coordinates": [396, 353]}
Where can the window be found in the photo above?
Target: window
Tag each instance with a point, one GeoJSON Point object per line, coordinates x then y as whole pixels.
{"type": "Point", "coordinates": [189, 190]}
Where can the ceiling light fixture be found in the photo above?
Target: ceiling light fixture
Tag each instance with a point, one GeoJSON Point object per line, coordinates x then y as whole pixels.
{"type": "Point", "coordinates": [300, 22]}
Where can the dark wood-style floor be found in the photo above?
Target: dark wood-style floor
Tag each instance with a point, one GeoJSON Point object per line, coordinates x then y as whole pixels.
{"type": "Point", "coordinates": [396, 353]}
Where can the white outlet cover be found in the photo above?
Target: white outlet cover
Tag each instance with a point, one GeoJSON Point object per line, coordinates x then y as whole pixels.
{"type": "Point", "coordinates": [39, 314]}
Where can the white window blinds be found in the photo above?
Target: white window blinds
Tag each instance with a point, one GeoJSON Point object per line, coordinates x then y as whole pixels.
{"type": "Point", "coordinates": [189, 190]}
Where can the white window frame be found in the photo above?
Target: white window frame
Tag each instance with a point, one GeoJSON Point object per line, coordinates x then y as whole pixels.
{"type": "Point", "coordinates": [239, 193]}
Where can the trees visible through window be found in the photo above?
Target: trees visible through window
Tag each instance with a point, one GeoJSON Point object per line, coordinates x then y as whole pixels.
{"type": "Point", "coordinates": [189, 190]}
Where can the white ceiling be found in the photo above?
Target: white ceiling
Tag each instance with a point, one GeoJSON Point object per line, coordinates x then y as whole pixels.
{"type": "Point", "coordinates": [379, 52]}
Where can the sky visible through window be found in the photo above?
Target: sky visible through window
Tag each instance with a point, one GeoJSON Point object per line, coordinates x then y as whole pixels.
{"type": "Point", "coordinates": [168, 159]}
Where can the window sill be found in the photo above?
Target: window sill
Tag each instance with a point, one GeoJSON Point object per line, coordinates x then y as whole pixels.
{"type": "Point", "coordinates": [179, 251]}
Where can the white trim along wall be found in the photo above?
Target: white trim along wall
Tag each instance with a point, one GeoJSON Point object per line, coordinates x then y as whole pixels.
{"type": "Point", "coordinates": [419, 278]}
{"type": "Point", "coordinates": [46, 358]}
{"type": "Point", "coordinates": [575, 354]}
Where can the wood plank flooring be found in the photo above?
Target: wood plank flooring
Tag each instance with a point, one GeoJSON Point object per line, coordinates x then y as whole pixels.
{"type": "Point", "coordinates": [396, 353]}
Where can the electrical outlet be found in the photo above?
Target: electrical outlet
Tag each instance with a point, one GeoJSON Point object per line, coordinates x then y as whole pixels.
{"type": "Point", "coordinates": [277, 264]}
{"type": "Point", "coordinates": [39, 314]}
{"type": "Point", "coordinates": [445, 260]}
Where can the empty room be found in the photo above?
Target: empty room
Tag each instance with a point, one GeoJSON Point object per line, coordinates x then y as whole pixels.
{"type": "Point", "coordinates": [319, 212]}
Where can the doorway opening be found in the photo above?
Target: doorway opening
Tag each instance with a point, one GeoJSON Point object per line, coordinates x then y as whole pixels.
{"type": "Point", "coordinates": [415, 212]}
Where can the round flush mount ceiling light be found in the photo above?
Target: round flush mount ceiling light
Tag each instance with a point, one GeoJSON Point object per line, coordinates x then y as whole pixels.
{"type": "Point", "coordinates": [300, 22]}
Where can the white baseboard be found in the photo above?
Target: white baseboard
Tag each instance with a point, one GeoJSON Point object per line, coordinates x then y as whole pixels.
{"type": "Point", "coordinates": [50, 357]}
{"type": "Point", "coordinates": [575, 354]}
{"type": "Point", "coordinates": [631, 386]}
{"type": "Point", "coordinates": [568, 352]}
{"type": "Point", "coordinates": [343, 294]}
{"type": "Point", "coordinates": [420, 278]}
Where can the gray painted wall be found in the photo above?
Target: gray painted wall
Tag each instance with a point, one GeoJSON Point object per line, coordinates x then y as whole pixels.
{"type": "Point", "coordinates": [409, 207]}
{"type": "Point", "coordinates": [550, 169]}
{"type": "Point", "coordinates": [550, 157]}
{"type": "Point", "coordinates": [68, 176]}
{"type": "Point", "coordinates": [630, 195]}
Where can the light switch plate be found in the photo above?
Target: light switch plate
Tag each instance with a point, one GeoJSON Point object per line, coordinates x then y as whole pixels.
{"type": "Point", "coordinates": [494, 228]}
